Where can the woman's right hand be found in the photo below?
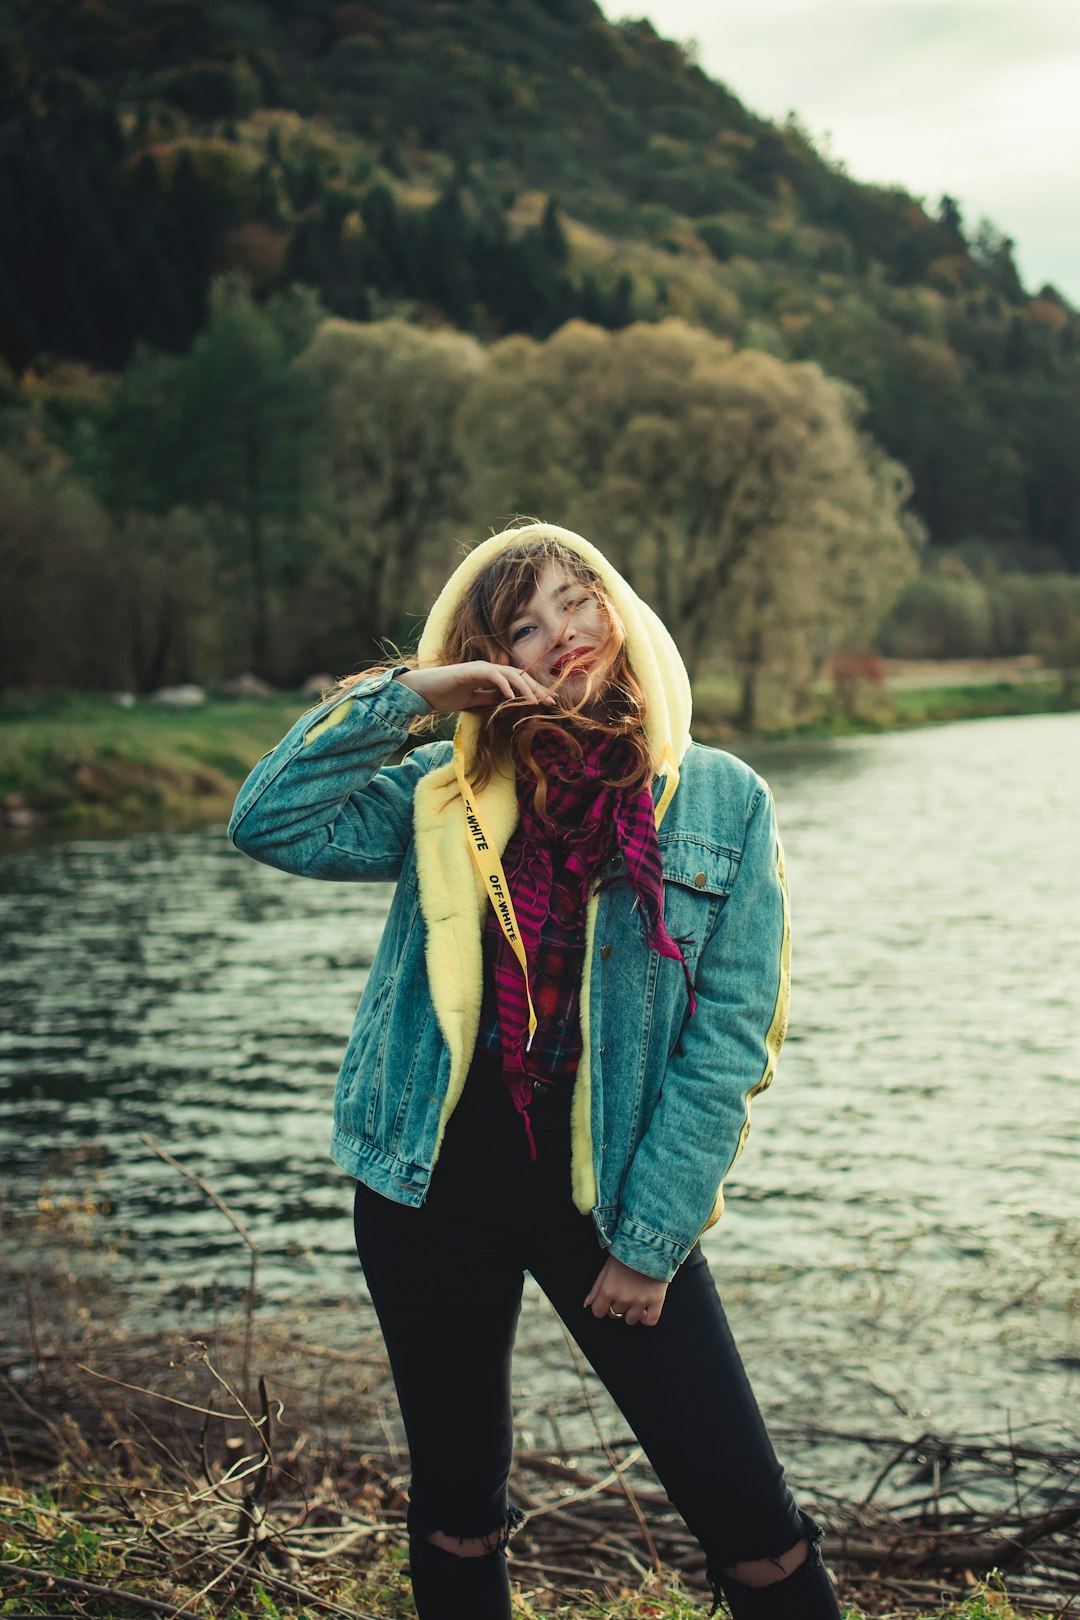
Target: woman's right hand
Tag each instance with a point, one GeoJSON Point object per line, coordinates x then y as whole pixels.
{"type": "Point", "coordinates": [476, 685]}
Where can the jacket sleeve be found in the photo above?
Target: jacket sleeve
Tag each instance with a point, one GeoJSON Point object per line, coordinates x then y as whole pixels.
{"type": "Point", "coordinates": [321, 804]}
{"type": "Point", "coordinates": [726, 1054]}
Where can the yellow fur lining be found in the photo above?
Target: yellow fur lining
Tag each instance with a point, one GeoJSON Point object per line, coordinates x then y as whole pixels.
{"type": "Point", "coordinates": [452, 901]}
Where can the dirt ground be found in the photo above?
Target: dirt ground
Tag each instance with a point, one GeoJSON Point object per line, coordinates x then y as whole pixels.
{"type": "Point", "coordinates": [905, 674]}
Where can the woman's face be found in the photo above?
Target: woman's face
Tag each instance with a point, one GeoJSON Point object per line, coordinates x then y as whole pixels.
{"type": "Point", "coordinates": [557, 630]}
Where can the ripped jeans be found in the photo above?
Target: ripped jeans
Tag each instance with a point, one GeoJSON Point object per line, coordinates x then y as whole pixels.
{"type": "Point", "coordinates": [446, 1282]}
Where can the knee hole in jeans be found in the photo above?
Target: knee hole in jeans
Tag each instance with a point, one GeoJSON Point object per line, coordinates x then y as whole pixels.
{"type": "Point", "coordinates": [467, 1546]}
{"type": "Point", "coordinates": [466, 1549]}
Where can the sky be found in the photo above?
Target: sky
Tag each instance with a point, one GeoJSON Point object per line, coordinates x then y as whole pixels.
{"type": "Point", "coordinates": [976, 98]}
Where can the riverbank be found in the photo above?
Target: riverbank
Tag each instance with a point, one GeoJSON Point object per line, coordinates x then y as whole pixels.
{"type": "Point", "coordinates": [78, 763]}
{"type": "Point", "coordinates": [147, 1476]}
{"type": "Point", "coordinates": [249, 1463]}
{"type": "Point", "coordinates": [889, 695]}
{"type": "Point", "coordinates": [56, 1551]}
{"type": "Point", "coordinates": [75, 764]}
{"type": "Point", "coordinates": [65, 1554]}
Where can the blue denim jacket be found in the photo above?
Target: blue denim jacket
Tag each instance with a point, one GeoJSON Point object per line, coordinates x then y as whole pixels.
{"type": "Point", "coordinates": [663, 1108]}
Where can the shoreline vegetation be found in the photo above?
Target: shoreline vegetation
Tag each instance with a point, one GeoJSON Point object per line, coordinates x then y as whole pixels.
{"type": "Point", "coordinates": [244, 1466]}
{"type": "Point", "coordinates": [78, 763]}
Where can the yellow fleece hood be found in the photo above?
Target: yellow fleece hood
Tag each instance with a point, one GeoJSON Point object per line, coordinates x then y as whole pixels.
{"type": "Point", "coordinates": [653, 655]}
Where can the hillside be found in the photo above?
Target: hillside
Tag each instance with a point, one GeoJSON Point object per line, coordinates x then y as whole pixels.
{"type": "Point", "coordinates": [505, 165]}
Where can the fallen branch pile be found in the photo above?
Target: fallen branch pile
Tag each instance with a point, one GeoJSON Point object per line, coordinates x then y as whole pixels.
{"type": "Point", "coordinates": [204, 1469]}
{"type": "Point", "coordinates": [224, 1489]}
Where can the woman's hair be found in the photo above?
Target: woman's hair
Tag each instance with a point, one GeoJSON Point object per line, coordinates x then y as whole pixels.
{"type": "Point", "coordinates": [612, 703]}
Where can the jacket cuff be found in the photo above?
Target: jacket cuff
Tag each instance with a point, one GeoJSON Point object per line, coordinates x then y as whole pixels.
{"type": "Point", "coordinates": [385, 699]}
{"type": "Point", "coordinates": [647, 1251]}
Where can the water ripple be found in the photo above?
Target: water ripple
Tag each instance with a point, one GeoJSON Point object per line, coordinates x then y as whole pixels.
{"type": "Point", "coordinates": [904, 1228]}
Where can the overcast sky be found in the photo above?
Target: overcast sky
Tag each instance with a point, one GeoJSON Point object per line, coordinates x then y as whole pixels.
{"type": "Point", "coordinates": [977, 98]}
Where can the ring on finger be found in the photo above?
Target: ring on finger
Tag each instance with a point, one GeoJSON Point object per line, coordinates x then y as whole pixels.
{"type": "Point", "coordinates": [618, 1315]}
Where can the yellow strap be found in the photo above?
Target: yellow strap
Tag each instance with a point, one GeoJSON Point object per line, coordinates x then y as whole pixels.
{"type": "Point", "coordinates": [491, 871]}
{"type": "Point", "coordinates": [671, 782]}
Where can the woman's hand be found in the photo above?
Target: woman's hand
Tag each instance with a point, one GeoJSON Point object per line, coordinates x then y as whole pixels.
{"type": "Point", "coordinates": [621, 1291]}
{"type": "Point", "coordinates": [476, 685]}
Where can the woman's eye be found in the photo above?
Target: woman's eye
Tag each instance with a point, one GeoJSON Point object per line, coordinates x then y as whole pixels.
{"type": "Point", "coordinates": [522, 630]}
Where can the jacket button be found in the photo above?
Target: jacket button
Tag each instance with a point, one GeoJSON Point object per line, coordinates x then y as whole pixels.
{"type": "Point", "coordinates": [700, 880]}
{"type": "Point", "coordinates": [605, 952]}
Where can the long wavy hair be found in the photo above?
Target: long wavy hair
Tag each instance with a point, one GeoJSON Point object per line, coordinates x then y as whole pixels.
{"type": "Point", "coordinates": [612, 703]}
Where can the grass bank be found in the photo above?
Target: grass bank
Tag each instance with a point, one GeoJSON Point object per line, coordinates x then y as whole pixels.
{"type": "Point", "coordinates": [77, 763]}
{"type": "Point", "coordinates": [63, 1555]}
{"type": "Point", "coordinates": [899, 701]}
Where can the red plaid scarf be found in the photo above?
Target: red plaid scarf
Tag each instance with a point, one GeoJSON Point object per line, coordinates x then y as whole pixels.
{"type": "Point", "coordinates": [585, 821]}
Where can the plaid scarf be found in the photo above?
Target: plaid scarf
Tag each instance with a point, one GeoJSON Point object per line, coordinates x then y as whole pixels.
{"type": "Point", "coordinates": [549, 865]}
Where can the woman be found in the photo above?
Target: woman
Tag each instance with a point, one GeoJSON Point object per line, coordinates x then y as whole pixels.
{"type": "Point", "coordinates": [581, 984]}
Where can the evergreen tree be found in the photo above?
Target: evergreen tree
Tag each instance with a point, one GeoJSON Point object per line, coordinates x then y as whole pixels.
{"type": "Point", "coordinates": [20, 331]}
{"type": "Point", "coordinates": [951, 219]}
{"type": "Point", "coordinates": [304, 182]}
{"type": "Point", "coordinates": [195, 229]}
{"type": "Point", "coordinates": [447, 271]}
{"type": "Point", "coordinates": [553, 236]}
{"type": "Point", "coordinates": [1018, 350]}
{"type": "Point", "coordinates": [249, 420]}
{"type": "Point", "coordinates": [496, 275]}
{"type": "Point", "coordinates": [386, 257]}
{"type": "Point", "coordinates": [621, 311]}
{"type": "Point", "coordinates": [992, 250]}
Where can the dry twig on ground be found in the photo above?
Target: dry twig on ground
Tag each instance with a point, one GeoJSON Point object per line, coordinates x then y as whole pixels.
{"type": "Point", "coordinates": [212, 1466]}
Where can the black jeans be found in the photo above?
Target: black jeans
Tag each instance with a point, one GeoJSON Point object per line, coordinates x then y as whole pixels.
{"type": "Point", "coordinates": [446, 1281]}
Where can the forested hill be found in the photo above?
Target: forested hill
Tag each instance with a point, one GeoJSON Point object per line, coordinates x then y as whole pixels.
{"type": "Point", "coordinates": [504, 165]}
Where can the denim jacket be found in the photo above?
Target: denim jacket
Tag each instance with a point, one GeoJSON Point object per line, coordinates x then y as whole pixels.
{"type": "Point", "coordinates": [661, 1104]}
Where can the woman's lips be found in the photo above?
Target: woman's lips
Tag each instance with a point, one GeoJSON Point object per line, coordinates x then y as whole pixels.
{"type": "Point", "coordinates": [568, 658]}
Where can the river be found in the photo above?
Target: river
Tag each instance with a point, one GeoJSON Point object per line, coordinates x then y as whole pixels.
{"type": "Point", "coordinates": [901, 1248]}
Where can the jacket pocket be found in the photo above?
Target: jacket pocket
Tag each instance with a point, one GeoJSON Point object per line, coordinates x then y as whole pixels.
{"type": "Point", "coordinates": [698, 879]}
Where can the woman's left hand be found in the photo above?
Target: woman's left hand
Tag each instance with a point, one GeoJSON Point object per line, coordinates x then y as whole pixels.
{"type": "Point", "coordinates": [621, 1291]}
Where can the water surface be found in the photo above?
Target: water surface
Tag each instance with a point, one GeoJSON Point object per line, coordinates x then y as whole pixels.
{"type": "Point", "coordinates": [902, 1243]}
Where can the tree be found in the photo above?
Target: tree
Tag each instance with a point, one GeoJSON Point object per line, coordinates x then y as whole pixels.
{"type": "Point", "coordinates": [92, 256]}
{"type": "Point", "coordinates": [734, 490]}
{"type": "Point", "coordinates": [52, 529]}
{"type": "Point", "coordinates": [391, 392]}
{"type": "Point", "coordinates": [444, 254]}
{"type": "Point", "coordinates": [233, 428]}
{"type": "Point", "coordinates": [553, 236]}
{"type": "Point", "coordinates": [936, 419]}
{"type": "Point", "coordinates": [248, 423]}
{"type": "Point", "coordinates": [169, 624]}
{"type": "Point", "coordinates": [992, 250]}
{"type": "Point", "coordinates": [951, 219]}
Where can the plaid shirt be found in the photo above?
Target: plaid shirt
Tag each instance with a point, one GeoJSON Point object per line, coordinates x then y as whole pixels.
{"type": "Point", "coordinates": [555, 980]}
